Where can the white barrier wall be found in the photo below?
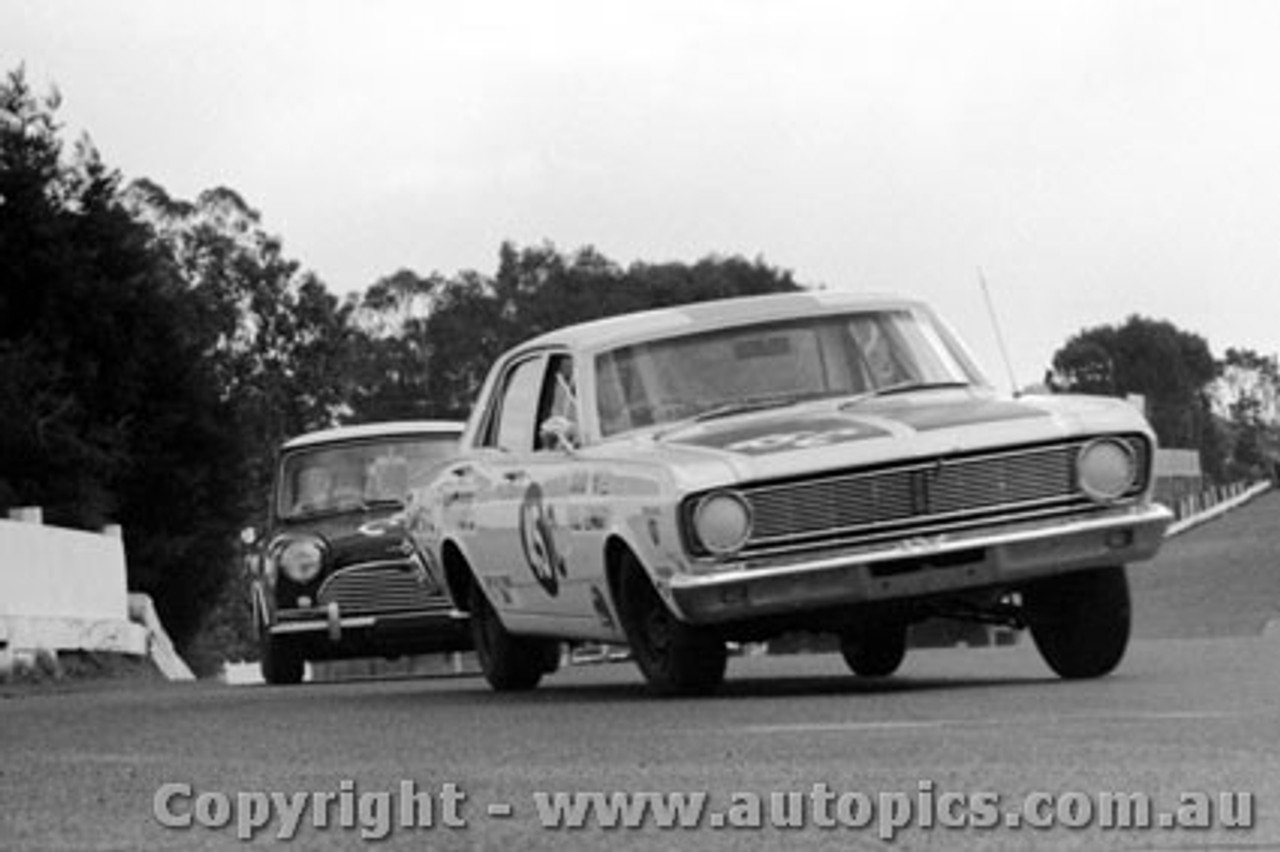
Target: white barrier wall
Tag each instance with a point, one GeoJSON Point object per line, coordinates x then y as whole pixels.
{"type": "Point", "coordinates": [65, 589]}
{"type": "Point", "coordinates": [48, 570]}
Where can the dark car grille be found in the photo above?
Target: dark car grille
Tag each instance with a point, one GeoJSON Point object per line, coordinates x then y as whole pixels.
{"type": "Point", "coordinates": [388, 587]}
{"type": "Point", "coordinates": [923, 497]}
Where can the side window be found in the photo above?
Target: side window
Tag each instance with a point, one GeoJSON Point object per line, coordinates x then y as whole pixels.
{"type": "Point", "coordinates": [559, 396]}
{"type": "Point", "coordinates": [515, 423]}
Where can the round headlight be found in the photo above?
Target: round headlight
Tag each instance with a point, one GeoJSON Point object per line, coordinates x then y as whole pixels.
{"type": "Point", "coordinates": [723, 522]}
{"type": "Point", "coordinates": [300, 559]}
{"type": "Point", "coordinates": [1106, 469]}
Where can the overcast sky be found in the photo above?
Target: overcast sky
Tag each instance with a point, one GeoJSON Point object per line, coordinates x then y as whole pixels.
{"type": "Point", "coordinates": [1096, 159]}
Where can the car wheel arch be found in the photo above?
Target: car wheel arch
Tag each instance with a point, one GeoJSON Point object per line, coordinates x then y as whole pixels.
{"type": "Point", "coordinates": [458, 575]}
{"type": "Point", "coordinates": [616, 551]}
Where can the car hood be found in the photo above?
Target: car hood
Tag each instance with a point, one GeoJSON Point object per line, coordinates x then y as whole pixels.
{"type": "Point", "coordinates": [375, 535]}
{"type": "Point", "coordinates": [833, 434]}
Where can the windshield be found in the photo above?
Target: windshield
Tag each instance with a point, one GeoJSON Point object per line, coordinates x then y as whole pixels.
{"type": "Point", "coordinates": [769, 364]}
{"type": "Point", "coordinates": [354, 476]}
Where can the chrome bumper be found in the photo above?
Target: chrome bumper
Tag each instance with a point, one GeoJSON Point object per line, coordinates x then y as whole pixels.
{"type": "Point", "coordinates": [920, 567]}
{"type": "Point", "coordinates": [332, 622]}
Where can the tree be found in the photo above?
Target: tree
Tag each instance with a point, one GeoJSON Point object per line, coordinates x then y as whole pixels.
{"type": "Point", "coordinates": [108, 410]}
{"type": "Point", "coordinates": [1248, 393]}
{"type": "Point", "coordinates": [281, 348]}
{"type": "Point", "coordinates": [1172, 368]}
{"type": "Point", "coordinates": [389, 380]}
{"type": "Point", "coordinates": [436, 365]}
{"type": "Point", "coordinates": [280, 344]}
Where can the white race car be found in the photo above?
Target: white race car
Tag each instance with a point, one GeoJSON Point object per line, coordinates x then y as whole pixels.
{"type": "Point", "coordinates": [728, 471]}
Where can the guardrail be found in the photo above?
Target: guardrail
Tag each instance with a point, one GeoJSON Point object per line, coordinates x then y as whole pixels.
{"type": "Point", "coordinates": [1208, 504]}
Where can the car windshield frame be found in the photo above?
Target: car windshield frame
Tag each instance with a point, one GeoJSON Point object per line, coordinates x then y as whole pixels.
{"type": "Point", "coordinates": [355, 475]}
{"type": "Point", "coordinates": [773, 363]}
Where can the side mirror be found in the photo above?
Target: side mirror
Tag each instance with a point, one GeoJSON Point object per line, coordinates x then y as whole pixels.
{"type": "Point", "coordinates": [560, 432]}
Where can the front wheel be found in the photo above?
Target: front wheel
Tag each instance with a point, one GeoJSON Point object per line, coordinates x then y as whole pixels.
{"type": "Point", "coordinates": [280, 663]}
{"type": "Point", "coordinates": [510, 663]}
{"type": "Point", "coordinates": [676, 658]}
{"type": "Point", "coordinates": [1080, 621]}
{"type": "Point", "coordinates": [876, 652]}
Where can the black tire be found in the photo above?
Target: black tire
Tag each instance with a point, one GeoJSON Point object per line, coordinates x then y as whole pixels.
{"type": "Point", "coordinates": [676, 658]}
{"type": "Point", "coordinates": [280, 663]}
{"type": "Point", "coordinates": [875, 652]}
{"type": "Point", "coordinates": [510, 663]}
{"type": "Point", "coordinates": [1080, 621]}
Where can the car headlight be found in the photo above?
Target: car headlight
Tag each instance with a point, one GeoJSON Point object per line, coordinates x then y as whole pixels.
{"type": "Point", "coordinates": [722, 521]}
{"type": "Point", "coordinates": [1106, 469]}
{"type": "Point", "coordinates": [300, 559]}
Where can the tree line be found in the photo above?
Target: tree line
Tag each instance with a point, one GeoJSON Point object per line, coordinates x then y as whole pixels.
{"type": "Point", "coordinates": [155, 351]}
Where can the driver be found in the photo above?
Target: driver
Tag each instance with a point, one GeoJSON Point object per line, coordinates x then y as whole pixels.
{"type": "Point", "coordinates": [315, 490]}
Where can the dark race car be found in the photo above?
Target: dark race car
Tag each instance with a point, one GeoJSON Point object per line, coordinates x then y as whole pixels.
{"type": "Point", "coordinates": [335, 573]}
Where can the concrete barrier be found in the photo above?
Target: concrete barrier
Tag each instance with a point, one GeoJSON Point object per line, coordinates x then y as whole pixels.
{"type": "Point", "coordinates": [160, 648]}
{"type": "Point", "coordinates": [65, 590]}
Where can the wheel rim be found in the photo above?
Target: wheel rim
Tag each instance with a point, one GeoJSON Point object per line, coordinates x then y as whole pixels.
{"type": "Point", "coordinates": [656, 625]}
{"type": "Point", "coordinates": [653, 625]}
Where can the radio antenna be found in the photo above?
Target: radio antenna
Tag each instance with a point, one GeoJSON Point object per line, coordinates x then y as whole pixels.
{"type": "Point", "coordinates": [995, 324]}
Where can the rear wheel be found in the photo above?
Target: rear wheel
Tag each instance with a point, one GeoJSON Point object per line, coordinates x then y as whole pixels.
{"type": "Point", "coordinates": [1080, 621]}
{"type": "Point", "coordinates": [280, 663]}
{"type": "Point", "coordinates": [875, 652]}
{"type": "Point", "coordinates": [676, 658]}
{"type": "Point", "coordinates": [510, 663]}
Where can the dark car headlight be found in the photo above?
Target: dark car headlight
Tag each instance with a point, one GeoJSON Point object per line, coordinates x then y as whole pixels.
{"type": "Point", "coordinates": [722, 522]}
{"type": "Point", "coordinates": [300, 559]}
{"type": "Point", "coordinates": [1107, 469]}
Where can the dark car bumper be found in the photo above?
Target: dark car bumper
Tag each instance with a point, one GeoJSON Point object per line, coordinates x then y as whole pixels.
{"type": "Point", "coordinates": [1007, 556]}
{"type": "Point", "coordinates": [328, 633]}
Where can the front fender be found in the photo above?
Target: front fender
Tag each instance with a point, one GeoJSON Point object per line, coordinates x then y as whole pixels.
{"type": "Point", "coordinates": [652, 535]}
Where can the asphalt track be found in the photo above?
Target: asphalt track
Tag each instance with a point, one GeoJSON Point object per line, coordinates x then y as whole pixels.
{"type": "Point", "coordinates": [1194, 709]}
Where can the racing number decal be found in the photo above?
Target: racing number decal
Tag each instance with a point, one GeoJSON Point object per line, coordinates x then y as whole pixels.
{"type": "Point", "coordinates": [539, 545]}
{"type": "Point", "coordinates": [802, 440]}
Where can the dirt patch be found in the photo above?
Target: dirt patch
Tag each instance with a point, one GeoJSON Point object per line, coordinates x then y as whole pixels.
{"type": "Point", "coordinates": [42, 671]}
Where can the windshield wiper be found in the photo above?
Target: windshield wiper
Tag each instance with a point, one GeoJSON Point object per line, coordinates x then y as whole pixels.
{"type": "Point", "coordinates": [382, 503]}
{"type": "Point", "coordinates": [899, 388]}
{"type": "Point", "coordinates": [758, 403]}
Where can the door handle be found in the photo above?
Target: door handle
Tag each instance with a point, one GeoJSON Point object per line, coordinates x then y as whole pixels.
{"type": "Point", "coordinates": [515, 476]}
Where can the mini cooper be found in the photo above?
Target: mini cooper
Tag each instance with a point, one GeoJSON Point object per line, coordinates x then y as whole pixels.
{"type": "Point", "coordinates": [335, 574]}
{"type": "Point", "coordinates": [685, 478]}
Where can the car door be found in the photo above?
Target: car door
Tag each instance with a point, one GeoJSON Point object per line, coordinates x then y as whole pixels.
{"type": "Point", "coordinates": [492, 480]}
{"type": "Point", "coordinates": [528, 488]}
{"type": "Point", "coordinates": [552, 519]}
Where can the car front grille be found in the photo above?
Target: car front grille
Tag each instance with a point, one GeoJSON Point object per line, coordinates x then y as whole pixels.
{"type": "Point", "coordinates": [922, 498]}
{"type": "Point", "coordinates": [383, 587]}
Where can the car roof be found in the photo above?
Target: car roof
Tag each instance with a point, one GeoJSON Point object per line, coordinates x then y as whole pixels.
{"type": "Point", "coordinates": [661, 322]}
{"type": "Point", "coordinates": [392, 428]}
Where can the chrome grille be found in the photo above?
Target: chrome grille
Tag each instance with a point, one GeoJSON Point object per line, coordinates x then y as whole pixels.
{"type": "Point", "coordinates": [385, 587]}
{"type": "Point", "coordinates": [924, 496]}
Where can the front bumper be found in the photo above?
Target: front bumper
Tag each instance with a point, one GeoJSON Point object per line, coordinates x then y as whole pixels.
{"type": "Point", "coordinates": [1004, 556]}
{"type": "Point", "coordinates": [327, 632]}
